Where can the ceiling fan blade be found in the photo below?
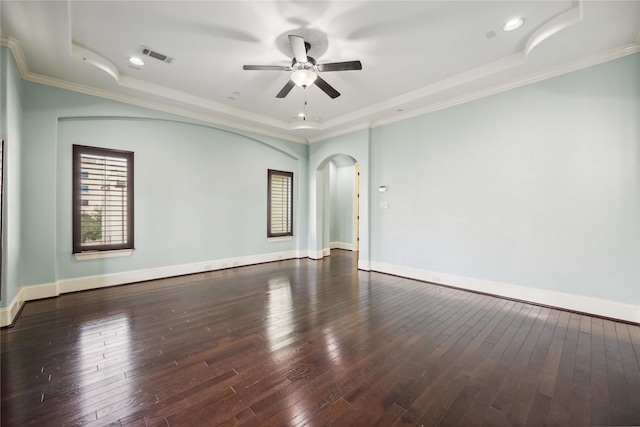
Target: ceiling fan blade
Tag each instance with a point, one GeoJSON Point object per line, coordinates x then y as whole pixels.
{"type": "Point", "coordinates": [326, 88]}
{"type": "Point", "coordinates": [266, 67]}
{"type": "Point", "coordinates": [340, 66]}
{"type": "Point", "coordinates": [298, 48]}
{"type": "Point", "coordinates": [286, 89]}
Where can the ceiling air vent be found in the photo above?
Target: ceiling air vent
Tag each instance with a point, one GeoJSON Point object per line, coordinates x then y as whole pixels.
{"type": "Point", "coordinates": [156, 55]}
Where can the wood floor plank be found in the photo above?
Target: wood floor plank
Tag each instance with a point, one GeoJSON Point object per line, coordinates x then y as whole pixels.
{"type": "Point", "coordinates": [615, 374]}
{"type": "Point", "coordinates": [303, 342]}
{"type": "Point", "coordinates": [580, 393]}
{"type": "Point", "coordinates": [428, 401]}
{"type": "Point", "coordinates": [488, 374]}
{"type": "Point", "coordinates": [631, 368]}
{"type": "Point", "coordinates": [562, 391]}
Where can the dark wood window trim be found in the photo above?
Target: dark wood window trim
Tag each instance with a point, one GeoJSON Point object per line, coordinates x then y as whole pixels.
{"type": "Point", "coordinates": [279, 203]}
{"type": "Point", "coordinates": [2, 168]}
{"type": "Point", "coordinates": [113, 197]}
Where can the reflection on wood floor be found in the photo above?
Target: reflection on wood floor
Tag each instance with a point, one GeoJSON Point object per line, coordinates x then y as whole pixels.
{"type": "Point", "coordinates": [312, 342]}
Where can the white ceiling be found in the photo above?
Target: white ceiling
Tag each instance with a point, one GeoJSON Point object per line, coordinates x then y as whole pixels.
{"type": "Point", "coordinates": [417, 56]}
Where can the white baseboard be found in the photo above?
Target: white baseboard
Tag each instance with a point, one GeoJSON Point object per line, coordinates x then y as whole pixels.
{"type": "Point", "coordinates": [47, 290]}
{"type": "Point", "coordinates": [595, 306]}
{"type": "Point", "coordinates": [364, 264]}
{"type": "Point", "coordinates": [341, 245]}
{"type": "Point", "coordinates": [599, 307]}
{"type": "Point", "coordinates": [320, 254]}
{"type": "Point", "coordinates": [9, 313]}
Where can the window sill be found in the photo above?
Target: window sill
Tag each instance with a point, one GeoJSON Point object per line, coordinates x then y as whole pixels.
{"type": "Point", "coordinates": [82, 256]}
{"type": "Point", "coordinates": [279, 239]}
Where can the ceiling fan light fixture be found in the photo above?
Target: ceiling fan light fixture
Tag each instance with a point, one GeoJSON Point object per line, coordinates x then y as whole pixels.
{"type": "Point", "coordinates": [303, 77]}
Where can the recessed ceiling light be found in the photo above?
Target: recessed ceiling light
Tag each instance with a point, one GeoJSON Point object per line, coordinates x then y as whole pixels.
{"type": "Point", "coordinates": [136, 61]}
{"type": "Point", "coordinates": [513, 24]}
{"type": "Point", "coordinates": [302, 115]}
{"type": "Point", "coordinates": [236, 93]}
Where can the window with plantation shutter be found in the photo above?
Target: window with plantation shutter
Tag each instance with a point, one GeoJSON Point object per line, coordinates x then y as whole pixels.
{"type": "Point", "coordinates": [102, 199]}
{"type": "Point", "coordinates": [280, 203]}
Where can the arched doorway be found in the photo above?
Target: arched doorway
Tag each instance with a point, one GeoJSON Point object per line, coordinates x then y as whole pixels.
{"type": "Point", "coordinates": [355, 145]}
{"type": "Point", "coordinates": [337, 204]}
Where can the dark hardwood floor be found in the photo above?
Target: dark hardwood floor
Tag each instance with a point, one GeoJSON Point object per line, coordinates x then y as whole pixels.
{"type": "Point", "coordinates": [312, 342]}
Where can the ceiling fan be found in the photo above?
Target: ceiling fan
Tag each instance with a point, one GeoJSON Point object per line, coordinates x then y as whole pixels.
{"type": "Point", "coordinates": [305, 70]}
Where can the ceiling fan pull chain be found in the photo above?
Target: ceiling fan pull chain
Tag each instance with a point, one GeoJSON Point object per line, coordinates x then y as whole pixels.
{"type": "Point", "coordinates": [304, 109]}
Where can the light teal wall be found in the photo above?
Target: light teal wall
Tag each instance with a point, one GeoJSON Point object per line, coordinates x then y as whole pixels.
{"type": "Point", "coordinates": [537, 186]}
{"type": "Point", "coordinates": [342, 201]}
{"type": "Point", "coordinates": [200, 189]}
{"type": "Point", "coordinates": [11, 131]}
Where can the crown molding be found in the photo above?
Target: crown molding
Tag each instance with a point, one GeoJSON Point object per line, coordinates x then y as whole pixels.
{"type": "Point", "coordinates": [26, 74]}
{"type": "Point", "coordinates": [345, 131]}
{"type": "Point", "coordinates": [559, 23]}
{"type": "Point", "coordinates": [198, 101]}
{"type": "Point", "coordinates": [109, 68]}
{"type": "Point", "coordinates": [18, 54]}
{"type": "Point", "coordinates": [356, 120]}
{"type": "Point", "coordinates": [106, 66]}
{"type": "Point", "coordinates": [513, 84]}
{"type": "Point", "coordinates": [152, 105]}
{"type": "Point", "coordinates": [526, 80]}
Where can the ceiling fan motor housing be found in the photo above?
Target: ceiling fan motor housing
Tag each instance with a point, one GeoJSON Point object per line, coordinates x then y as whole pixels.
{"type": "Point", "coordinates": [309, 65]}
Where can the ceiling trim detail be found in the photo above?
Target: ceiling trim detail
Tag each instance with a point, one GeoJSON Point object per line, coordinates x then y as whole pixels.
{"type": "Point", "coordinates": [18, 54]}
{"type": "Point", "coordinates": [524, 81]}
{"type": "Point", "coordinates": [558, 23]}
{"type": "Point", "coordinates": [501, 64]}
{"type": "Point", "coordinates": [176, 95]}
{"type": "Point", "coordinates": [23, 67]}
{"type": "Point", "coordinates": [95, 60]}
{"type": "Point", "coordinates": [350, 129]}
